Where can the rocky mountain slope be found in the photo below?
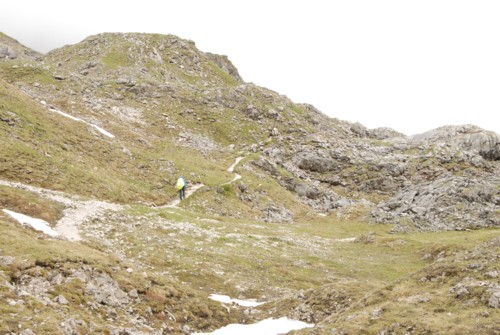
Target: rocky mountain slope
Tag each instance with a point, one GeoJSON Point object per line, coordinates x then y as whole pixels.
{"type": "Point", "coordinates": [157, 92]}
{"type": "Point", "coordinates": [12, 49]}
{"type": "Point", "coordinates": [118, 117]}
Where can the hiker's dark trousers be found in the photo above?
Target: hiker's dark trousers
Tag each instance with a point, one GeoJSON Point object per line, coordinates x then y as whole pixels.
{"type": "Point", "coordinates": [181, 192]}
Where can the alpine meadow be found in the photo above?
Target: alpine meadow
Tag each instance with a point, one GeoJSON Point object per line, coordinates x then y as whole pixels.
{"type": "Point", "coordinates": [348, 229]}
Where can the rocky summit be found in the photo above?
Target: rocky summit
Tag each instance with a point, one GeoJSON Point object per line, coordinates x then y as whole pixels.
{"type": "Point", "coordinates": [359, 231]}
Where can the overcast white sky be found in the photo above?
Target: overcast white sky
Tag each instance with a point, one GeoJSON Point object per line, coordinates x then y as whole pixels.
{"type": "Point", "coordinates": [409, 65]}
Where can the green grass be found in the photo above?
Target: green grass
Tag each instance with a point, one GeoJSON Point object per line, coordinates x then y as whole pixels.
{"type": "Point", "coordinates": [116, 58]}
{"type": "Point", "coordinates": [63, 154]}
{"type": "Point", "coordinates": [227, 79]}
{"type": "Point", "coordinates": [24, 71]}
{"type": "Point", "coordinates": [252, 259]}
{"type": "Point", "coordinates": [27, 203]}
{"type": "Point", "coordinates": [36, 256]}
{"type": "Point", "coordinates": [271, 254]}
{"type": "Point", "coordinates": [216, 242]}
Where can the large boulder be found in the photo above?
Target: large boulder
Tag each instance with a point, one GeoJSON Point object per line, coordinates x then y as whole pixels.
{"type": "Point", "coordinates": [275, 213]}
{"type": "Point", "coordinates": [302, 189]}
{"type": "Point", "coordinates": [315, 163]}
{"type": "Point", "coordinates": [266, 165]}
{"type": "Point", "coordinates": [106, 291]}
{"type": "Point", "coordinates": [6, 52]}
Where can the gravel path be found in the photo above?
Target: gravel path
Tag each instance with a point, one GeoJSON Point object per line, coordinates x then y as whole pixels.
{"type": "Point", "coordinates": [77, 210]}
{"type": "Point", "coordinates": [194, 187]}
{"type": "Point", "coordinates": [190, 190]}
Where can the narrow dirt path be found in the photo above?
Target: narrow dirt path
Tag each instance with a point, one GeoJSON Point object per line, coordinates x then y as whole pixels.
{"type": "Point", "coordinates": [231, 169]}
{"type": "Point", "coordinates": [77, 210]}
{"type": "Point", "coordinates": [189, 191]}
{"type": "Point", "coordinates": [194, 187]}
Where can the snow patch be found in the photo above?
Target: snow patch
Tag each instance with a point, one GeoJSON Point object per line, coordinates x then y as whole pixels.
{"type": "Point", "coordinates": [102, 131]}
{"type": "Point", "coordinates": [227, 300]}
{"type": "Point", "coordinates": [265, 327]}
{"type": "Point", "coordinates": [77, 211]}
{"type": "Point", "coordinates": [349, 239]}
{"type": "Point", "coordinates": [37, 224]}
{"type": "Point", "coordinates": [99, 129]}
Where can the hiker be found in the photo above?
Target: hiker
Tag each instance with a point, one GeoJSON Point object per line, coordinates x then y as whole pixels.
{"type": "Point", "coordinates": [181, 186]}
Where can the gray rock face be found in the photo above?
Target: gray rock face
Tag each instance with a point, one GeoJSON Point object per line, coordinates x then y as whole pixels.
{"type": "Point", "coordinates": [105, 291]}
{"type": "Point", "coordinates": [448, 203]}
{"type": "Point", "coordinates": [441, 180]}
{"type": "Point", "coordinates": [315, 163]}
{"type": "Point", "coordinates": [12, 49]}
{"type": "Point", "coordinates": [226, 65]}
{"type": "Point", "coordinates": [468, 137]}
{"type": "Point", "coordinates": [252, 112]}
{"type": "Point", "coordinates": [266, 166]}
{"type": "Point", "coordinates": [307, 191]}
{"type": "Point", "coordinates": [6, 52]}
{"type": "Point", "coordinates": [494, 301]}
{"type": "Point", "coordinates": [320, 199]}
{"type": "Point", "coordinates": [275, 213]}
{"type": "Point", "coordinates": [377, 133]}
{"type": "Point", "coordinates": [445, 179]}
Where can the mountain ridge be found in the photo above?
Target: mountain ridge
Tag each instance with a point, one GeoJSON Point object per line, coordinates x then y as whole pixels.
{"type": "Point", "coordinates": [176, 96]}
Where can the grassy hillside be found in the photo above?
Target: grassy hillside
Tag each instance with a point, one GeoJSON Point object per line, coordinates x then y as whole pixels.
{"type": "Point", "coordinates": [46, 149]}
{"type": "Point", "coordinates": [324, 271]}
{"type": "Point", "coordinates": [295, 231]}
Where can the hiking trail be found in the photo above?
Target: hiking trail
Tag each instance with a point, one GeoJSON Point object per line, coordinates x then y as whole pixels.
{"type": "Point", "coordinates": [79, 210]}
{"type": "Point", "coordinates": [189, 191]}
{"type": "Point", "coordinates": [231, 170]}
{"type": "Point", "coordinates": [194, 187]}
{"type": "Point", "coordinates": [76, 212]}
